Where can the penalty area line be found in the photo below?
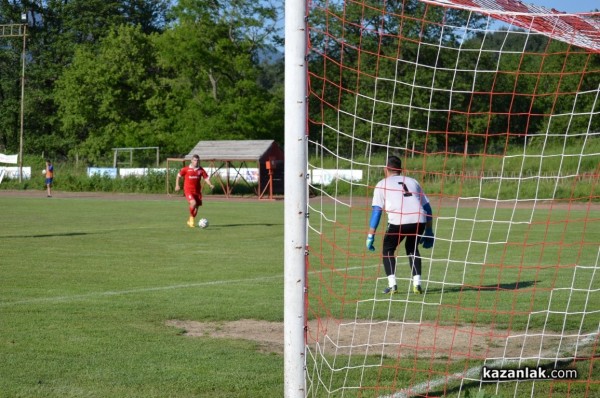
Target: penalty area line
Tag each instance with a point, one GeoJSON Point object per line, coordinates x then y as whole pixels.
{"type": "Point", "coordinates": [63, 299]}
{"type": "Point", "coordinates": [134, 291]}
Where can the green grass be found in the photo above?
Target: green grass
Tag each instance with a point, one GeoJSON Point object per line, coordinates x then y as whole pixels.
{"type": "Point", "coordinates": [510, 270]}
{"type": "Point", "coordinates": [489, 266]}
{"type": "Point", "coordinates": [89, 284]}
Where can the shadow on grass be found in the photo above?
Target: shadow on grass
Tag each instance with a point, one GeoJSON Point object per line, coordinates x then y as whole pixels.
{"type": "Point", "coordinates": [50, 235]}
{"type": "Point", "coordinates": [484, 288]}
{"type": "Point", "coordinates": [261, 224]}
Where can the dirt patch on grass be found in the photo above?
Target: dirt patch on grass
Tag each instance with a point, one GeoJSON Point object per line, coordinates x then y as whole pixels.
{"type": "Point", "coordinates": [268, 335]}
{"type": "Point", "coordinates": [391, 339]}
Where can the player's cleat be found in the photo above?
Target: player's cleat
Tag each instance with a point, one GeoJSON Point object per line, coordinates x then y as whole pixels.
{"type": "Point", "coordinates": [391, 290]}
{"type": "Point", "coordinates": [417, 289]}
{"type": "Point", "coordinates": [191, 223]}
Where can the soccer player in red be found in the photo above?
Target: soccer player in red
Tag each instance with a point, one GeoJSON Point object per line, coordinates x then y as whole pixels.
{"type": "Point", "coordinates": [192, 189]}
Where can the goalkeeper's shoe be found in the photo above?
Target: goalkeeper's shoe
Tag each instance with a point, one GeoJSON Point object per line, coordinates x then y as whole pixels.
{"type": "Point", "coordinates": [391, 290]}
{"type": "Point", "coordinates": [417, 289]}
{"type": "Point", "coordinates": [190, 222]}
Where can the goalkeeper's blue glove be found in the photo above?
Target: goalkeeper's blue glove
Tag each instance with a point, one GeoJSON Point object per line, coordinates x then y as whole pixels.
{"type": "Point", "coordinates": [427, 238]}
{"type": "Point", "coordinates": [370, 240]}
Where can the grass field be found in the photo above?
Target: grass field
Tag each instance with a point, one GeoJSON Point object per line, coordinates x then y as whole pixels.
{"type": "Point", "coordinates": [494, 272]}
{"type": "Point", "coordinates": [89, 285]}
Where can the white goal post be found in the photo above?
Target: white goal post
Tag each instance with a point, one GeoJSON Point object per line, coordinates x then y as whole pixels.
{"type": "Point", "coordinates": [296, 194]}
{"type": "Point", "coordinates": [493, 107]}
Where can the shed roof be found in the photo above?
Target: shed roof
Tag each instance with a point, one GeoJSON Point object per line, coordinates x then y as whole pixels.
{"type": "Point", "coordinates": [231, 149]}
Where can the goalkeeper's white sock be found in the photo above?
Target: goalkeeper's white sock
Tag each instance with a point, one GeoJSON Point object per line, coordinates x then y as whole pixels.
{"type": "Point", "coordinates": [417, 280]}
{"type": "Point", "coordinates": [392, 280]}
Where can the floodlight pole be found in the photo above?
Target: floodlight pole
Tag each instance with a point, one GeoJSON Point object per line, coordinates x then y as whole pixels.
{"type": "Point", "coordinates": [22, 97]}
{"type": "Point", "coordinates": [296, 204]}
{"type": "Point", "coordinates": [19, 30]}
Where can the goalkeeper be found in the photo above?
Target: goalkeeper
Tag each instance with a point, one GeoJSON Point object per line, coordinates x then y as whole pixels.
{"type": "Point", "coordinates": [409, 218]}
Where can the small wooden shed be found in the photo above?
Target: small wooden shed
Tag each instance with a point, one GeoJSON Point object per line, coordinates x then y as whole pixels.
{"type": "Point", "coordinates": [232, 160]}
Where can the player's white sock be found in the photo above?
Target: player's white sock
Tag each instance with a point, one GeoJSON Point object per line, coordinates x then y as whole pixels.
{"type": "Point", "coordinates": [417, 280]}
{"type": "Point", "coordinates": [392, 280]}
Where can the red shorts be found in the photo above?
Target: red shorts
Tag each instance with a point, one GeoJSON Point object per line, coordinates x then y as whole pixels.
{"type": "Point", "coordinates": [194, 196]}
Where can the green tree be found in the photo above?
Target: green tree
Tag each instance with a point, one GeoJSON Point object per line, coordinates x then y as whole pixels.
{"type": "Point", "coordinates": [56, 29]}
{"type": "Point", "coordinates": [104, 96]}
{"type": "Point", "coordinates": [10, 94]}
{"type": "Point", "coordinates": [200, 79]}
{"type": "Point", "coordinates": [212, 69]}
{"type": "Point", "coordinates": [385, 74]}
{"type": "Point", "coordinates": [375, 62]}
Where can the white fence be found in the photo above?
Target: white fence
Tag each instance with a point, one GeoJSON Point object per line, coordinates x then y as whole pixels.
{"type": "Point", "coordinates": [13, 173]}
{"type": "Point", "coordinates": [249, 174]}
{"type": "Point", "coordinates": [327, 176]}
{"type": "Point", "coordinates": [317, 176]}
{"type": "Point", "coordinates": [245, 173]}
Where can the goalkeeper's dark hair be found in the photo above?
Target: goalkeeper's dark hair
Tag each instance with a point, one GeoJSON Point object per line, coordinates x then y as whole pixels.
{"type": "Point", "coordinates": [394, 163]}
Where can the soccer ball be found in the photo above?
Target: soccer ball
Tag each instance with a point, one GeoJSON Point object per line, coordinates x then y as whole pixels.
{"type": "Point", "coordinates": [203, 223]}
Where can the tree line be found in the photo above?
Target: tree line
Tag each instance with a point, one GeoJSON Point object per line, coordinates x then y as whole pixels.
{"type": "Point", "coordinates": [402, 73]}
{"type": "Point", "coordinates": [102, 74]}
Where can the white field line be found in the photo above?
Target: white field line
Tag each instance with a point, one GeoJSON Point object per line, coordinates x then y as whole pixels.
{"type": "Point", "coordinates": [134, 291]}
{"type": "Point", "coordinates": [63, 299]}
{"type": "Point", "coordinates": [474, 372]}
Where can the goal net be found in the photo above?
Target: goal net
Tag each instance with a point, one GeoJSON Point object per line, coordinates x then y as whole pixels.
{"type": "Point", "coordinates": [493, 106]}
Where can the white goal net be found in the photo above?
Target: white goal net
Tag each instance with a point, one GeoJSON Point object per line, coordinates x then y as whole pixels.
{"type": "Point", "coordinates": [493, 107]}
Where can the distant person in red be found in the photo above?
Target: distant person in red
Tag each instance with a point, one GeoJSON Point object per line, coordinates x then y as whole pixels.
{"type": "Point", "coordinates": [192, 189]}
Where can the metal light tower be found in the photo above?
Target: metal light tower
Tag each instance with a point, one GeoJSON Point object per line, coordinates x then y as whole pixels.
{"type": "Point", "coordinates": [19, 30]}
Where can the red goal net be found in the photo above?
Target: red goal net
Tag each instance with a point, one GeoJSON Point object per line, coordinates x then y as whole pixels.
{"type": "Point", "coordinates": [493, 107]}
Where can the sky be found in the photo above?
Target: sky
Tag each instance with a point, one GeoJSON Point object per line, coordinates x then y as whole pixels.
{"type": "Point", "coordinates": [567, 5]}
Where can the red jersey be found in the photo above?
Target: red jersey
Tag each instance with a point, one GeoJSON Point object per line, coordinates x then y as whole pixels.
{"type": "Point", "coordinates": [191, 179]}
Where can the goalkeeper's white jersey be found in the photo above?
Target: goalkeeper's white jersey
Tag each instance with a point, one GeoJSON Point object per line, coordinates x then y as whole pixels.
{"type": "Point", "coordinates": [402, 199]}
